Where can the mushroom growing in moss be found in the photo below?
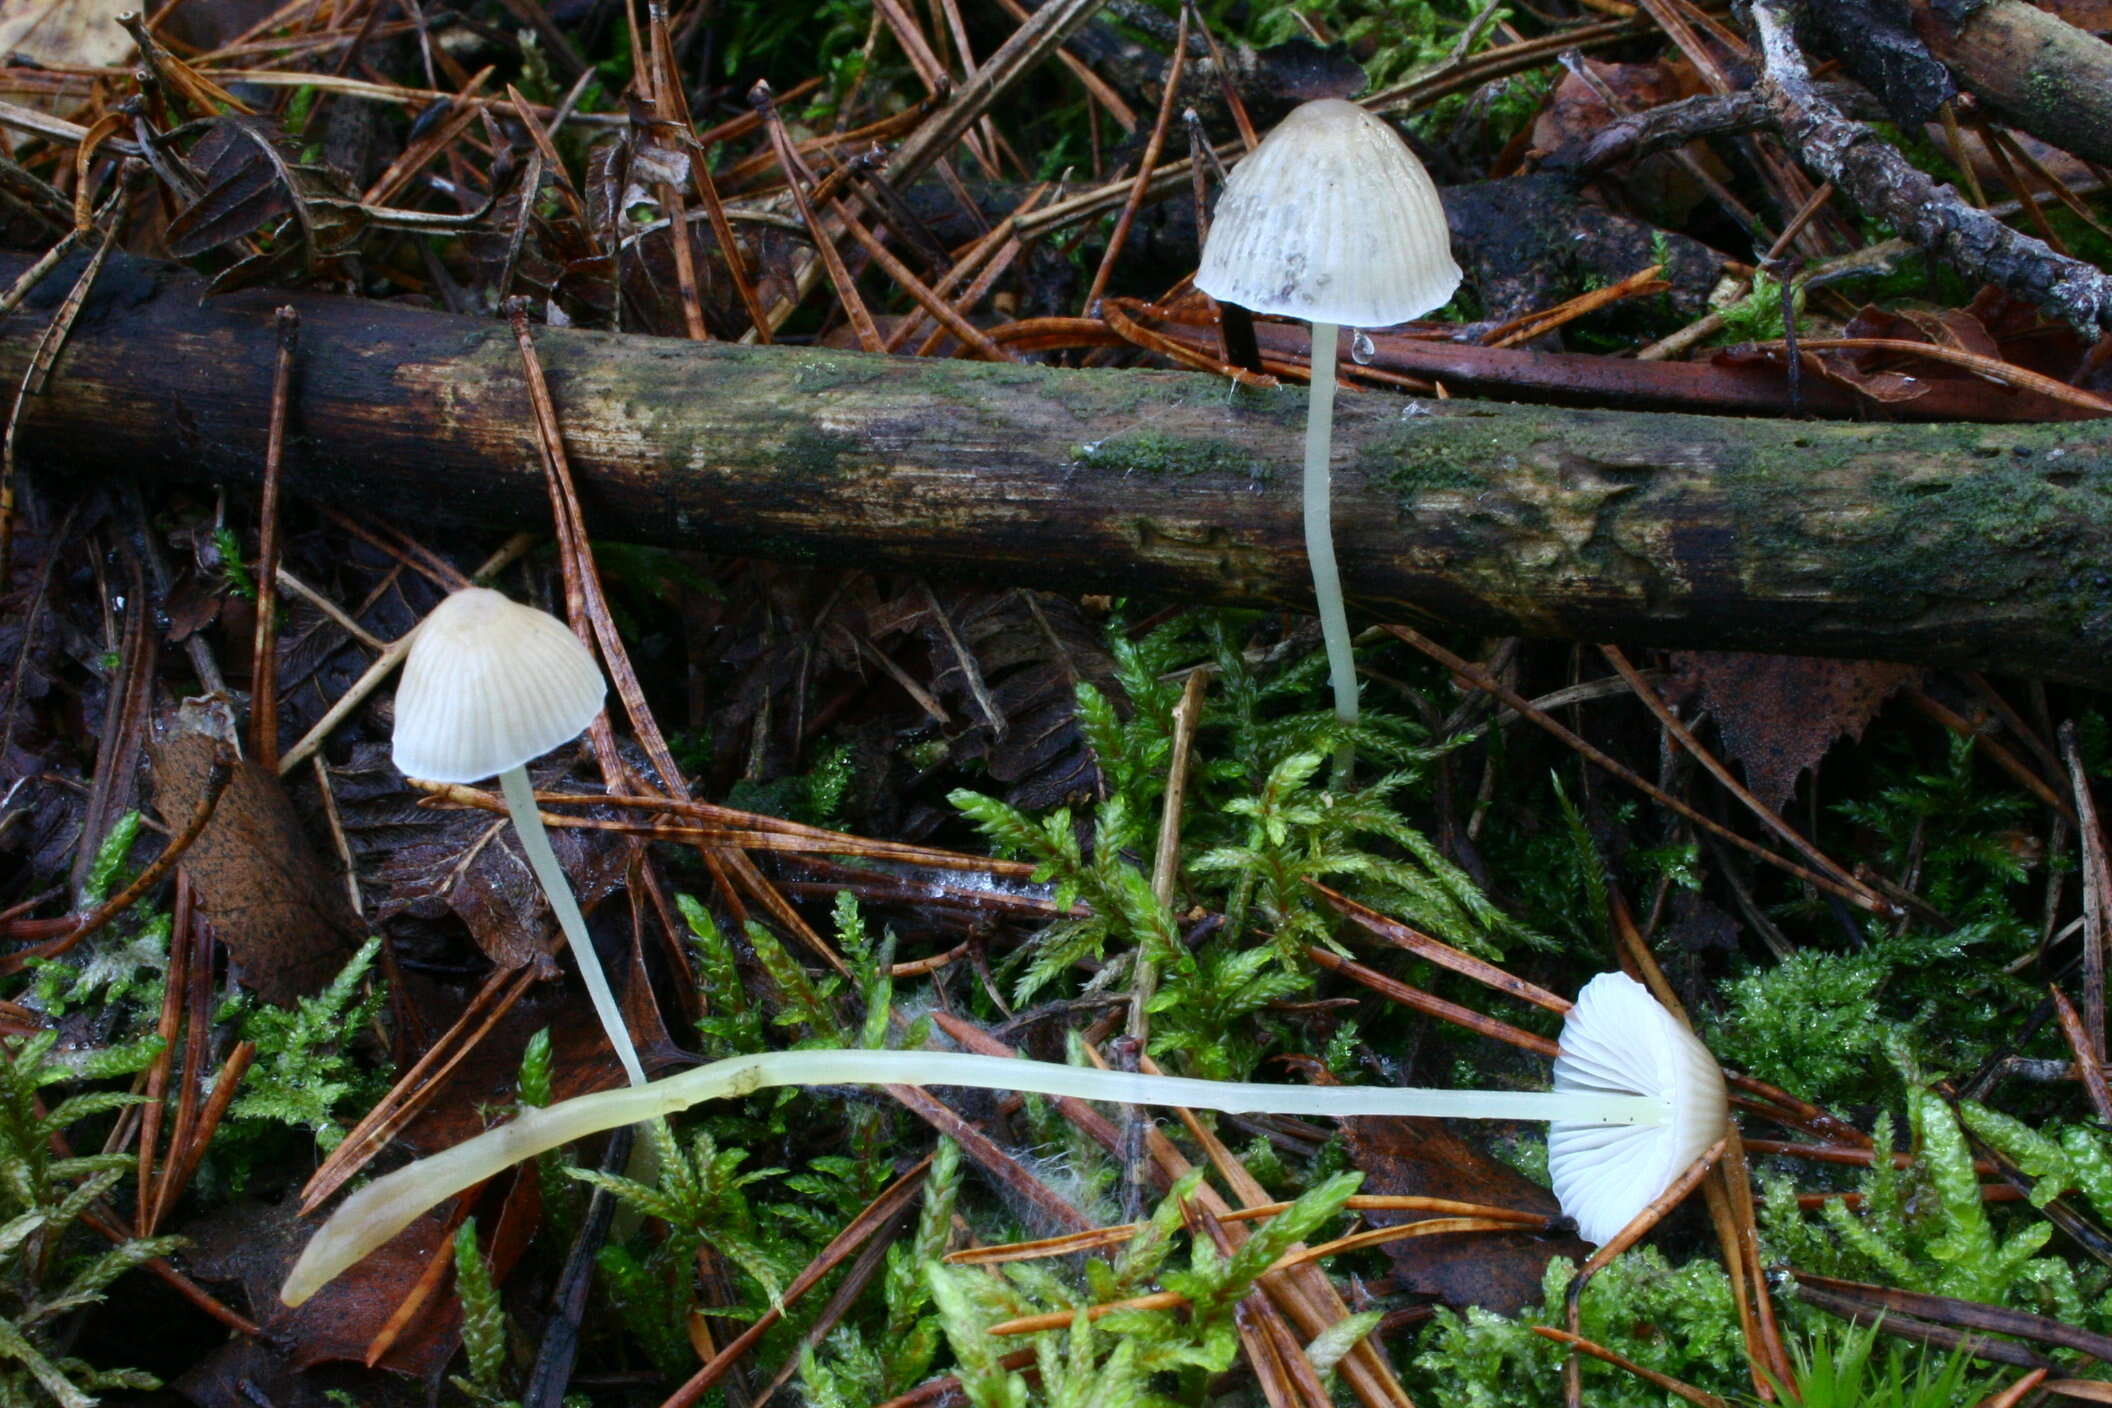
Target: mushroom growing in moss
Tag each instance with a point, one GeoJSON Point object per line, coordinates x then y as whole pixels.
{"type": "Point", "coordinates": [1629, 1078]}
{"type": "Point", "coordinates": [1332, 220]}
{"type": "Point", "coordinates": [488, 685]}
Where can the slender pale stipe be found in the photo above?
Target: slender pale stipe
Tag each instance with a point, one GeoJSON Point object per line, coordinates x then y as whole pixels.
{"type": "Point", "coordinates": [392, 1202]}
{"type": "Point", "coordinates": [535, 844]}
{"type": "Point", "coordinates": [1320, 525]}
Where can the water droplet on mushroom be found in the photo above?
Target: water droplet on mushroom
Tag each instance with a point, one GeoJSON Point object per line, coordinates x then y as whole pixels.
{"type": "Point", "coordinates": [1360, 349]}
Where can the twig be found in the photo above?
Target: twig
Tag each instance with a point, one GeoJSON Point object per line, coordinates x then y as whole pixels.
{"type": "Point", "coordinates": [1855, 895]}
{"type": "Point", "coordinates": [1166, 859]}
{"type": "Point", "coordinates": [2097, 890]}
{"type": "Point", "coordinates": [264, 664]}
{"type": "Point", "coordinates": [1870, 172]}
{"type": "Point", "coordinates": [1685, 738]}
{"type": "Point", "coordinates": [1152, 147]}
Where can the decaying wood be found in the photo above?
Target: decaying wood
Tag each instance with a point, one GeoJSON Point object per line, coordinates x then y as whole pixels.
{"type": "Point", "coordinates": [2034, 69]}
{"type": "Point", "coordinates": [1979, 545]}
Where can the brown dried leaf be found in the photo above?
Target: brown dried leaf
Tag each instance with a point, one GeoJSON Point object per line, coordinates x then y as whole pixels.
{"type": "Point", "coordinates": [429, 861]}
{"type": "Point", "coordinates": [253, 177]}
{"type": "Point", "coordinates": [1778, 714]}
{"type": "Point", "coordinates": [255, 1245]}
{"type": "Point", "coordinates": [1499, 1270]}
{"type": "Point", "coordinates": [1009, 664]}
{"type": "Point", "coordinates": [283, 913]}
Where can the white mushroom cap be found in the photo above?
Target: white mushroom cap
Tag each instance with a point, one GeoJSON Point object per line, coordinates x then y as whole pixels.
{"type": "Point", "coordinates": [489, 684]}
{"type": "Point", "coordinates": [1617, 1039]}
{"type": "Point", "coordinates": [1333, 220]}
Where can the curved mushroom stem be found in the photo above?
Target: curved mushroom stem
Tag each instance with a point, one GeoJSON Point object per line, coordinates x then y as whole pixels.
{"type": "Point", "coordinates": [392, 1202]}
{"type": "Point", "coordinates": [1320, 538]}
{"type": "Point", "coordinates": [535, 844]}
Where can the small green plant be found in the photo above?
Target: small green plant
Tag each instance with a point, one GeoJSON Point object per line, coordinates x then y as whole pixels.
{"type": "Point", "coordinates": [233, 566]}
{"type": "Point", "coordinates": [1839, 1368]}
{"type": "Point", "coordinates": [1679, 1321]}
{"type": "Point", "coordinates": [1125, 1357]}
{"type": "Point", "coordinates": [48, 1268]}
{"type": "Point", "coordinates": [483, 1325]}
{"type": "Point", "coordinates": [305, 1072]}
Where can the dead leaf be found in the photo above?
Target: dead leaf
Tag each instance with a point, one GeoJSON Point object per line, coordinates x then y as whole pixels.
{"type": "Point", "coordinates": [428, 862]}
{"type": "Point", "coordinates": [1498, 1270]}
{"type": "Point", "coordinates": [281, 911]}
{"type": "Point", "coordinates": [252, 176]}
{"type": "Point", "coordinates": [64, 34]}
{"type": "Point", "coordinates": [1009, 665]}
{"type": "Point", "coordinates": [1778, 714]}
{"type": "Point", "coordinates": [255, 1245]}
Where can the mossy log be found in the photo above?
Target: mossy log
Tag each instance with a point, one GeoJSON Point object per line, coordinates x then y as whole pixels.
{"type": "Point", "coordinates": [1975, 545]}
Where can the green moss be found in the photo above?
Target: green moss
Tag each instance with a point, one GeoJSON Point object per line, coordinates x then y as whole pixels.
{"type": "Point", "coordinates": [1155, 452]}
{"type": "Point", "coordinates": [812, 453]}
{"type": "Point", "coordinates": [828, 373]}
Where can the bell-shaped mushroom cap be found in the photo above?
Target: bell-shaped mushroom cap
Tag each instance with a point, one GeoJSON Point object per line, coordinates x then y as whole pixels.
{"type": "Point", "coordinates": [489, 684]}
{"type": "Point", "coordinates": [1617, 1039]}
{"type": "Point", "coordinates": [1333, 220]}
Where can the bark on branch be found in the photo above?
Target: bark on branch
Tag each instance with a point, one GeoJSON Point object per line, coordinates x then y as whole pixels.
{"type": "Point", "coordinates": [1979, 545]}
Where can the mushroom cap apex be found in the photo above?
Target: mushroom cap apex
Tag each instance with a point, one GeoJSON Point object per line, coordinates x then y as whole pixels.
{"type": "Point", "coordinates": [487, 685]}
{"type": "Point", "coordinates": [1333, 220]}
{"type": "Point", "coordinates": [1617, 1039]}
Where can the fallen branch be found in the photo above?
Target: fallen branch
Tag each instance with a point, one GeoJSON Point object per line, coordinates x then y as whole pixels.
{"type": "Point", "coordinates": [1885, 186]}
{"type": "Point", "coordinates": [1947, 543]}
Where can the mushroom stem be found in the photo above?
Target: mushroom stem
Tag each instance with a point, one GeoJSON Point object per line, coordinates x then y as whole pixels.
{"type": "Point", "coordinates": [535, 844]}
{"type": "Point", "coordinates": [1320, 537]}
{"type": "Point", "coordinates": [392, 1202]}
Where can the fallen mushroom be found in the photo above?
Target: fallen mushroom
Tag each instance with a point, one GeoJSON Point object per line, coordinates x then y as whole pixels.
{"type": "Point", "coordinates": [1617, 1038]}
{"type": "Point", "coordinates": [1332, 220]}
{"type": "Point", "coordinates": [488, 685]}
{"type": "Point", "coordinates": [1669, 1093]}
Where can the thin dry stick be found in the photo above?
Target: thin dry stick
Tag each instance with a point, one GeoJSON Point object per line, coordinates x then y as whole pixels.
{"type": "Point", "coordinates": [2088, 1068]}
{"type": "Point", "coordinates": [2097, 887]}
{"type": "Point", "coordinates": [2001, 757]}
{"type": "Point", "coordinates": [876, 1215]}
{"type": "Point", "coordinates": [1700, 1397]}
{"type": "Point", "coordinates": [264, 664]}
{"type": "Point", "coordinates": [1122, 1232]}
{"type": "Point", "coordinates": [1719, 1204]}
{"type": "Point", "coordinates": [1640, 284]}
{"type": "Point", "coordinates": [48, 344]}
{"type": "Point", "coordinates": [854, 309]}
{"type": "Point", "coordinates": [1166, 861]}
{"type": "Point", "coordinates": [198, 1000]}
{"type": "Point", "coordinates": [417, 1085]}
{"type": "Point", "coordinates": [1862, 899]}
{"type": "Point", "coordinates": [672, 111]}
{"type": "Point", "coordinates": [1248, 138]}
{"type": "Point", "coordinates": [1304, 1292]}
{"type": "Point", "coordinates": [930, 302]}
{"type": "Point", "coordinates": [111, 1227]}
{"type": "Point", "coordinates": [1994, 369]}
{"type": "Point", "coordinates": [1145, 165]}
{"type": "Point", "coordinates": [1738, 1182]}
{"type": "Point", "coordinates": [1415, 941]}
{"type": "Point", "coordinates": [182, 936]}
{"type": "Point", "coordinates": [1433, 1005]}
{"type": "Point", "coordinates": [422, 1289]}
{"type": "Point", "coordinates": [176, 1174]}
